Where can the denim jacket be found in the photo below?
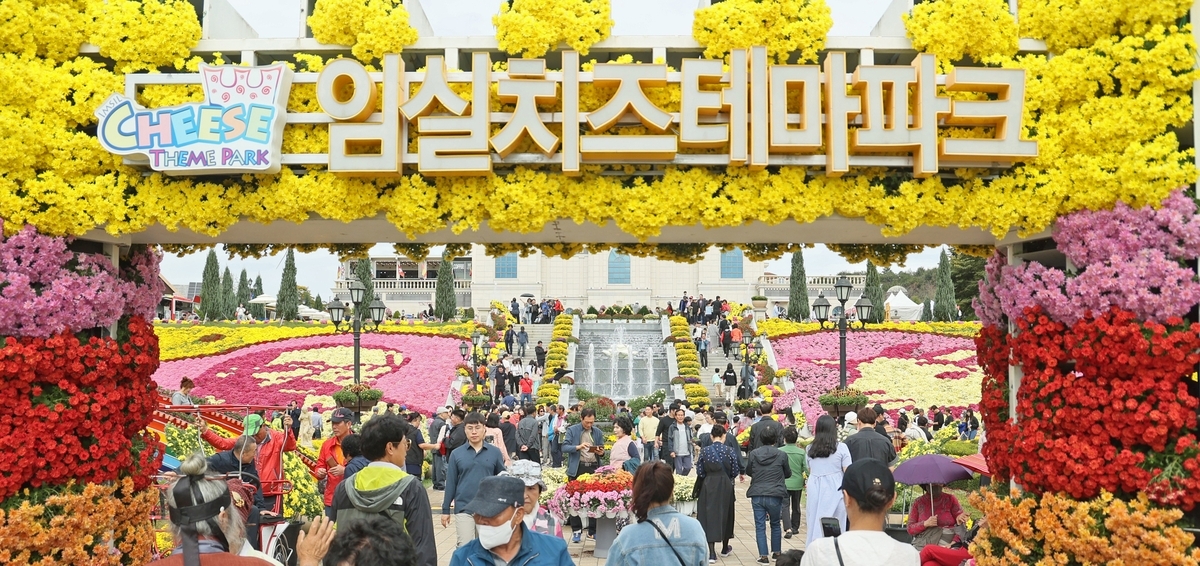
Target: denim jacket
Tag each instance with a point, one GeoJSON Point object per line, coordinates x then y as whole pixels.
{"type": "Point", "coordinates": [641, 544]}
{"type": "Point", "coordinates": [536, 550]}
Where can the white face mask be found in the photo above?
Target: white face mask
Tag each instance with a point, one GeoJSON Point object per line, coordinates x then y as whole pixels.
{"type": "Point", "coordinates": [491, 537]}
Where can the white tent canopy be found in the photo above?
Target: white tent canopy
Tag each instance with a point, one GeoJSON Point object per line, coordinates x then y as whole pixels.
{"type": "Point", "coordinates": [900, 307]}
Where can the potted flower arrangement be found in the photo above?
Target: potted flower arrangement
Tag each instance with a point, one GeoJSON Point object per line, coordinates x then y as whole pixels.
{"type": "Point", "coordinates": [358, 398]}
{"type": "Point", "coordinates": [684, 501]}
{"type": "Point", "coordinates": [838, 402]}
{"type": "Point", "coordinates": [605, 494]}
{"type": "Point", "coordinates": [759, 301]}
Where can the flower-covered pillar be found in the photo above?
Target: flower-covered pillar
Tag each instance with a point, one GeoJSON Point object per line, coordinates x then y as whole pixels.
{"type": "Point", "coordinates": [77, 350]}
{"type": "Point", "coordinates": [1089, 396]}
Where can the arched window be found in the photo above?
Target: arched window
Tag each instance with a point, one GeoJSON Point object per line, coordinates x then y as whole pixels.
{"type": "Point", "coordinates": [618, 268]}
{"type": "Point", "coordinates": [506, 266]}
{"type": "Point", "coordinates": [731, 264]}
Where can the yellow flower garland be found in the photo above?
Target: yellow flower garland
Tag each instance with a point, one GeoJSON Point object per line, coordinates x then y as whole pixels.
{"type": "Point", "coordinates": [533, 27]}
{"type": "Point", "coordinates": [372, 28]}
{"type": "Point", "coordinates": [786, 27]}
{"type": "Point", "coordinates": [1095, 151]}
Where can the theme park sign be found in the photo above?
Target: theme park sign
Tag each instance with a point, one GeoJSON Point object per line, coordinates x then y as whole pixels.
{"type": "Point", "coordinates": [879, 115]}
{"type": "Point", "coordinates": [238, 128]}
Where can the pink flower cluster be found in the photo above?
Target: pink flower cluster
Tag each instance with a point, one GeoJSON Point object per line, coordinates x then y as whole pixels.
{"type": "Point", "coordinates": [47, 288]}
{"type": "Point", "coordinates": [1132, 259]}
{"type": "Point", "coordinates": [421, 381]}
{"type": "Point", "coordinates": [813, 359]}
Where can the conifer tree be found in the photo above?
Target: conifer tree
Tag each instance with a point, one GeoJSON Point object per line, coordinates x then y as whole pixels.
{"type": "Point", "coordinates": [210, 289]}
{"type": "Point", "coordinates": [926, 312]}
{"type": "Point", "coordinates": [243, 292]}
{"type": "Point", "coordinates": [798, 308]}
{"type": "Point", "coordinates": [874, 292]}
{"type": "Point", "coordinates": [445, 307]}
{"type": "Point", "coordinates": [228, 295]}
{"type": "Point", "coordinates": [258, 310]}
{"type": "Point", "coordinates": [287, 306]}
{"type": "Point", "coordinates": [945, 308]}
{"type": "Point", "coordinates": [363, 271]}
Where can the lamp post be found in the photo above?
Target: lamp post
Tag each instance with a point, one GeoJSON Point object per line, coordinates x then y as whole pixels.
{"type": "Point", "coordinates": [478, 341]}
{"type": "Point", "coordinates": [751, 344]}
{"type": "Point", "coordinates": [862, 308]}
{"type": "Point", "coordinates": [356, 324]}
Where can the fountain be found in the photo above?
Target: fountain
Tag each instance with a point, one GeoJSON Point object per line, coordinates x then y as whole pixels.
{"type": "Point", "coordinates": [620, 359]}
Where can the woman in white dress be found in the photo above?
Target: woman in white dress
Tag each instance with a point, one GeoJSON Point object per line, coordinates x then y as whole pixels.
{"type": "Point", "coordinates": [827, 461]}
{"type": "Point", "coordinates": [306, 428]}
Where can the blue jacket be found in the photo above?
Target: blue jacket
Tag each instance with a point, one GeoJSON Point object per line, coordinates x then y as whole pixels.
{"type": "Point", "coordinates": [640, 544]}
{"type": "Point", "coordinates": [575, 438]}
{"type": "Point", "coordinates": [536, 550]}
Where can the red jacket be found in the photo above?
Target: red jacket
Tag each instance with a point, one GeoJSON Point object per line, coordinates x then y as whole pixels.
{"type": "Point", "coordinates": [331, 450]}
{"type": "Point", "coordinates": [269, 460]}
{"type": "Point", "coordinates": [526, 385]}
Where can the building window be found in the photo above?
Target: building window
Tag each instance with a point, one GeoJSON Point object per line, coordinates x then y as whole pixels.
{"type": "Point", "coordinates": [618, 268]}
{"type": "Point", "coordinates": [506, 266]}
{"type": "Point", "coordinates": [731, 264]}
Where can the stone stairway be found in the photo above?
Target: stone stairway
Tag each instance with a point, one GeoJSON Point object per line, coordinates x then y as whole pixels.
{"type": "Point", "coordinates": [718, 361]}
{"type": "Point", "coordinates": [536, 332]}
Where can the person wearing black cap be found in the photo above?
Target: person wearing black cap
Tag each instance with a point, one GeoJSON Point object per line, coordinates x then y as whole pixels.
{"type": "Point", "coordinates": [868, 489]}
{"type": "Point", "coordinates": [203, 521]}
{"type": "Point", "coordinates": [499, 512]}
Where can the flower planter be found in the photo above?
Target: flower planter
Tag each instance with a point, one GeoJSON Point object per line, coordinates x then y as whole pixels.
{"type": "Point", "coordinates": [838, 411]}
{"type": "Point", "coordinates": [759, 304]}
{"type": "Point", "coordinates": [358, 407]}
{"type": "Point", "coordinates": [686, 507]}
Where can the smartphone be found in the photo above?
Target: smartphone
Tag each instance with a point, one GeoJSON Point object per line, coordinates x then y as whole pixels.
{"type": "Point", "coordinates": [831, 526]}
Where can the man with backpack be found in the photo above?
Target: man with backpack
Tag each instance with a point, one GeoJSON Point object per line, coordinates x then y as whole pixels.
{"type": "Point", "coordinates": [383, 488]}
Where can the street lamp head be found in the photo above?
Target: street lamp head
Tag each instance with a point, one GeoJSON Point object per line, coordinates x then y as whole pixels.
{"type": "Point", "coordinates": [843, 289]}
{"type": "Point", "coordinates": [864, 308]}
{"type": "Point", "coordinates": [378, 311]}
{"type": "Point", "coordinates": [336, 310]}
{"type": "Point", "coordinates": [487, 348]}
{"type": "Point", "coordinates": [357, 292]}
{"type": "Point", "coordinates": [747, 338]}
{"type": "Point", "coordinates": [475, 337]}
{"type": "Point", "coordinates": [821, 308]}
{"type": "Point", "coordinates": [464, 349]}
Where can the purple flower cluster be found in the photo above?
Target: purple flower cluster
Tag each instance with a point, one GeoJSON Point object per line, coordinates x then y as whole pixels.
{"type": "Point", "coordinates": [47, 288]}
{"type": "Point", "coordinates": [1134, 260]}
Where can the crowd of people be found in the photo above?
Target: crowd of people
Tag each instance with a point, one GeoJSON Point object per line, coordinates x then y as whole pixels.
{"type": "Point", "coordinates": [535, 312]}
{"type": "Point", "coordinates": [487, 464]}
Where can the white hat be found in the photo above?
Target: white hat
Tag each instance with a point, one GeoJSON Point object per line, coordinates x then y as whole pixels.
{"type": "Point", "coordinates": [851, 417]}
{"type": "Point", "coordinates": [902, 411]}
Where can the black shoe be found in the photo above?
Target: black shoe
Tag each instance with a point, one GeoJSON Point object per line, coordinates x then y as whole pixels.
{"type": "Point", "coordinates": [787, 534]}
{"type": "Point", "coordinates": [774, 556]}
{"type": "Point", "coordinates": [763, 560]}
{"type": "Point", "coordinates": [727, 551]}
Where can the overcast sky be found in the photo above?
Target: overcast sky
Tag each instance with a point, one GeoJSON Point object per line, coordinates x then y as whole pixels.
{"type": "Point", "coordinates": [317, 271]}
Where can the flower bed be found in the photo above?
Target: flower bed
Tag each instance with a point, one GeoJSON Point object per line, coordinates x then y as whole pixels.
{"type": "Point", "coordinates": [895, 368]}
{"type": "Point", "coordinates": [556, 354]}
{"type": "Point", "coordinates": [312, 368]}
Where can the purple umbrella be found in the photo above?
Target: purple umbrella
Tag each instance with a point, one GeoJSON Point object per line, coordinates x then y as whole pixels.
{"type": "Point", "coordinates": [930, 468]}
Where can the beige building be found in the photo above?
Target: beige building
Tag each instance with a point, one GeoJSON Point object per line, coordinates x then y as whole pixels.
{"type": "Point", "coordinates": [607, 278]}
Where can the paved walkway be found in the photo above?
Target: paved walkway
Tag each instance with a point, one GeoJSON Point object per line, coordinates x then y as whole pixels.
{"type": "Point", "coordinates": [745, 550]}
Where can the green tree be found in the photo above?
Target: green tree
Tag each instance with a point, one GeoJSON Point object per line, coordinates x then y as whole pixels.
{"type": "Point", "coordinates": [228, 295]}
{"type": "Point", "coordinates": [318, 303]}
{"type": "Point", "coordinates": [966, 272]}
{"type": "Point", "coordinates": [926, 312]}
{"type": "Point", "coordinates": [243, 291]}
{"type": "Point", "coordinates": [210, 289]}
{"type": "Point", "coordinates": [798, 288]}
{"type": "Point", "coordinates": [444, 304]}
{"type": "Point", "coordinates": [287, 307]}
{"type": "Point", "coordinates": [362, 270]}
{"type": "Point", "coordinates": [945, 308]}
{"type": "Point", "coordinates": [305, 297]}
{"type": "Point", "coordinates": [874, 292]}
{"type": "Point", "coordinates": [258, 310]}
